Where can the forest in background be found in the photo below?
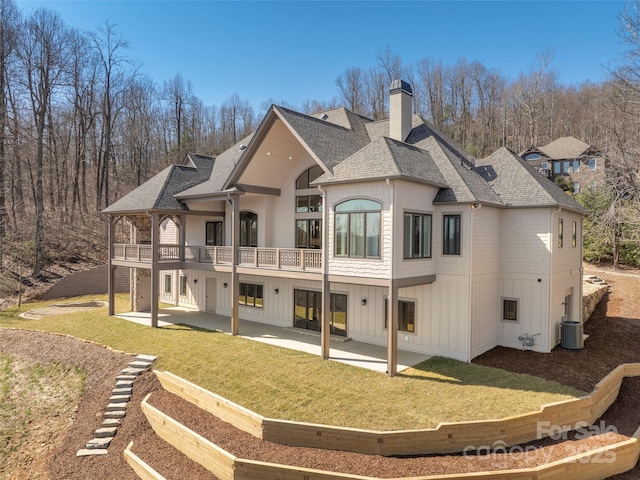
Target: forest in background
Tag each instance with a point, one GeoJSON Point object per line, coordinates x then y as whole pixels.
{"type": "Point", "coordinates": [81, 125]}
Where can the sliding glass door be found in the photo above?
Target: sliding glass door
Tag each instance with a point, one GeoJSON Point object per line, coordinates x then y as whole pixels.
{"type": "Point", "coordinates": [308, 311]}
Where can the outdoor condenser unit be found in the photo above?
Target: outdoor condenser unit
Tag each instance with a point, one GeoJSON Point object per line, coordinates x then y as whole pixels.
{"type": "Point", "coordinates": [571, 335]}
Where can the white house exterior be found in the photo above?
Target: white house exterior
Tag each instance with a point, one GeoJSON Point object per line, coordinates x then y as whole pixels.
{"type": "Point", "coordinates": [315, 222]}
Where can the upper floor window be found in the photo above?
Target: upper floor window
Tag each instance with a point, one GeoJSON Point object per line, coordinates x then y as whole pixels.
{"type": "Point", "coordinates": [560, 232]}
{"type": "Point", "coordinates": [592, 164]}
{"type": "Point", "coordinates": [565, 167]}
{"type": "Point", "coordinates": [533, 156]}
{"type": "Point", "coordinates": [214, 234]}
{"type": "Point", "coordinates": [556, 167]}
{"type": "Point", "coordinates": [417, 235]}
{"type": "Point", "coordinates": [248, 229]}
{"type": "Point", "coordinates": [357, 228]}
{"type": "Point", "coordinates": [308, 203]}
{"type": "Point", "coordinates": [576, 187]}
{"type": "Point", "coordinates": [451, 235]}
{"type": "Point", "coordinates": [576, 166]}
{"type": "Point", "coordinates": [308, 176]}
{"type": "Point", "coordinates": [545, 165]}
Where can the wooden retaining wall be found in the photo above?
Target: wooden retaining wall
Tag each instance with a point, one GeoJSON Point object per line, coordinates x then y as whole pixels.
{"type": "Point", "coordinates": [596, 464]}
{"type": "Point", "coordinates": [142, 469]}
{"type": "Point", "coordinates": [446, 438]}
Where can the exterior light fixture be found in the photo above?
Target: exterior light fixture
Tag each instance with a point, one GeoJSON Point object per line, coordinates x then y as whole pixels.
{"type": "Point", "coordinates": [224, 284]}
{"type": "Point", "coordinates": [276, 291]}
{"type": "Point", "coordinates": [364, 302]}
{"type": "Point", "coordinates": [195, 280]}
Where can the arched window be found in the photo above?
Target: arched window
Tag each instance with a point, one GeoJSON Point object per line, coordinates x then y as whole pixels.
{"type": "Point", "coordinates": [533, 156]}
{"type": "Point", "coordinates": [357, 228]}
{"type": "Point", "coordinates": [248, 229]}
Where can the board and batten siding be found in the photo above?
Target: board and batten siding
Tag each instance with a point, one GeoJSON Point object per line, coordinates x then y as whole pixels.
{"type": "Point", "coordinates": [485, 282]}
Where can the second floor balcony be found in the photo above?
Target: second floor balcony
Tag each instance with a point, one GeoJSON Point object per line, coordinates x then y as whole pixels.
{"type": "Point", "coordinates": [258, 257]}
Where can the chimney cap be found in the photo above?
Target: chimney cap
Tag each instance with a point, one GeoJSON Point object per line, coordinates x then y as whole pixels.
{"type": "Point", "coordinates": [400, 86]}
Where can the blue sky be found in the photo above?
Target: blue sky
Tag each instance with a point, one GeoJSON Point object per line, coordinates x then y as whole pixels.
{"type": "Point", "coordinates": [294, 50]}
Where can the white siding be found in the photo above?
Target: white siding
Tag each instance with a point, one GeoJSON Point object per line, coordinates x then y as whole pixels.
{"type": "Point", "coordinates": [168, 232]}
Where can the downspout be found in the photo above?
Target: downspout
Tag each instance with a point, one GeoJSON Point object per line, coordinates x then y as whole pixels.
{"type": "Point", "coordinates": [392, 314]}
{"type": "Point", "coordinates": [325, 328]}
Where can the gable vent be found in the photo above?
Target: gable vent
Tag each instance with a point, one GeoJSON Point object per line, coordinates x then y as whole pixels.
{"type": "Point", "coordinates": [242, 147]}
{"type": "Point", "coordinates": [324, 116]}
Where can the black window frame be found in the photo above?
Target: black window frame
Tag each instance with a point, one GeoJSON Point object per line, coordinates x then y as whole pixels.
{"type": "Point", "coordinates": [510, 310]}
{"type": "Point", "coordinates": [456, 240]}
{"type": "Point", "coordinates": [253, 290]}
{"type": "Point", "coordinates": [402, 322]}
{"type": "Point", "coordinates": [351, 217]}
{"type": "Point", "coordinates": [168, 283]}
{"type": "Point", "coordinates": [214, 228]}
{"type": "Point", "coordinates": [410, 243]}
{"type": "Point", "coordinates": [560, 233]}
{"type": "Point", "coordinates": [248, 226]}
{"type": "Point", "coordinates": [312, 233]}
{"type": "Point", "coordinates": [182, 287]}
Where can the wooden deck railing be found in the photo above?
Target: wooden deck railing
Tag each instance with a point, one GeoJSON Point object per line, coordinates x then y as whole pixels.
{"type": "Point", "coordinates": [278, 258]}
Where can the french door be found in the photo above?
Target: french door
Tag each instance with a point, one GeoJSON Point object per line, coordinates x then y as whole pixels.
{"type": "Point", "coordinates": [308, 311]}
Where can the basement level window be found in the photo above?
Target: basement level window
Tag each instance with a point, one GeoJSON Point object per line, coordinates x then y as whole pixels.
{"type": "Point", "coordinates": [183, 285]}
{"type": "Point", "coordinates": [167, 283]}
{"type": "Point", "coordinates": [510, 309]}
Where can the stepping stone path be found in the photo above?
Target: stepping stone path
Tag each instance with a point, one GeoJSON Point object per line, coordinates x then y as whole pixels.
{"type": "Point", "coordinates": [115, 410]}
{"type": "Point", "coordinates": [595, 280]}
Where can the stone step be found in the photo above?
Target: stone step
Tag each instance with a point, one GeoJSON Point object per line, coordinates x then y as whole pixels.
{"type": "Point", "coordinates": [125, 377]}
{"type": "Point", "coordinates": [122, 391]}
{"type": "Point", "coordinates": [132, 371]}
{"type": "Point", "coordinates": [114, 414]}
{"type": "Point", "coordinates": [139, 364]}
{"type": "Point", "coordinates": [106, 432]}
{"type": "Point", "coordinates": [119, 398]}
{"type": "Point", "coordinates": [99, 443]}
{"type": "Point", "coordinates": [124, 384]}
{"type": "Point", "coordinates": [85, 452]}
{"type": "Point", "coordinates": [146, 358]}
{"type": "Point", "coordinates": [111, 422]}
{"type": "Point", "coordinates": [114, 407]}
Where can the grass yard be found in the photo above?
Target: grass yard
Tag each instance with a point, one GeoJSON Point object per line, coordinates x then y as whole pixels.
{"type": "Point", "coordinates": [286, 384]}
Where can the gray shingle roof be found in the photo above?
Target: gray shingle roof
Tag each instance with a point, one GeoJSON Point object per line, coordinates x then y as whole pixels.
{"type": "Point", "coordinates": [386, 158]}
{"type": "Point", "coordinates": [519, 185]}
{"type": "Point", "coordinates": [456, 166]}
{"type": "Point", "coordinates": [330, 143]}
{"type": "Point", "coordinates": [222, 168]}
{"type": "Point", "coordinates": [158, 192]}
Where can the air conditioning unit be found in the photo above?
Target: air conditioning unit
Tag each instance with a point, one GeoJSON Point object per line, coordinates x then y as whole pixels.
{"type": "Point", "coordinates": [571, 335]}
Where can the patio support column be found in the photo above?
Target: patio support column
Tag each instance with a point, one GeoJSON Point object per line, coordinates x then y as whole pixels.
{"type": "Point", "coordinates": [155, 270]}
{"type": "Point", "coordinates": [325, 327]}
{"type": "Point", "coordinates": [182, 235]}
{"type": "Point", "coordinates": [392, 330]}
{"type": "Point", "coordinates": [235, 284]}
{"type": "Point", "coordinates": [111, 280]}
{"type": "Point", "coordinates": [392, 303]}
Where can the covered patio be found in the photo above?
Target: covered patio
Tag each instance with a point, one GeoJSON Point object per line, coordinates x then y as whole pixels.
{"type": "Point", "coordinates": [357, 354]}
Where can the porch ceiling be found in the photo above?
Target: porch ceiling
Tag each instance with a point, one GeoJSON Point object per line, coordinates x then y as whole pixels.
{"type": "Point", "coordinates": [273, 159]}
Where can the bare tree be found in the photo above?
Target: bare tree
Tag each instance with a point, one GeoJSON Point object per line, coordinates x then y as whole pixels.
{"type": "Point", "coordinates": [351, 88]}
{"type": "Point", "coordinates": [43, 54]}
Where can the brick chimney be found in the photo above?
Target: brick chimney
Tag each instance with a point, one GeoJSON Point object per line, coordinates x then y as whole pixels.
{"type": "Point", "coordinates": [400, 110]}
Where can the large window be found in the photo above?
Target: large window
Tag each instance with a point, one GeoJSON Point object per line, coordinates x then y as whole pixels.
{"type": "Point", "coordinates": [556, 168]}
{"type": "Point", "coordinates": [417, 235]}
{"type": "Point", "coordinates": [309, 233]}
{"type": "Point", "coordinates": [308, 311]}
{"type": "Point", "coordinates": [251, 295]}
{"type": "Point", "coordinates": [214, 234]}
{"type": "Point", "coordinates": [183, 286]}
{"type": "Point", "coordinates": [560, 232]}
{"type": "Point", "coordinates": [576, 166]}
{"type": "Point", "coordinates": [451, 235]}
{"type": "Point", "coordinates": [406, 315]}
{"type": "Point", "coordinates": [510, 309]}
{"type": "Point", "coordinates": [248, 229]}
{"type": "Point", "coordinates": [592, 164]}
{"type": "Point", "coordinates": [308, 176]}
{"type": "Point", "coordinates": [357, 228]}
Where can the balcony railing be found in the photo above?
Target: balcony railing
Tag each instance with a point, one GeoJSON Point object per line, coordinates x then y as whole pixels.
{"type": "Point", "coordinates": [278, 258]}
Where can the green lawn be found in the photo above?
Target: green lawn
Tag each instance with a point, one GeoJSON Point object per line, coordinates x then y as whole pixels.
{"type": "Point", "coordinates": [286, 384]}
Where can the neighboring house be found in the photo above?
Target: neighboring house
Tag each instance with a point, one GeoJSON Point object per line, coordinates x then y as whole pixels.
{"type": "Point", "coordinates": [582, 164]}
{"type": "Point", "coordinates": [382, 231]}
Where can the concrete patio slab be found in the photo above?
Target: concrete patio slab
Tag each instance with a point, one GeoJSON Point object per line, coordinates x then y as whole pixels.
{"type": "Point", "coordinates": [358, 354]}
